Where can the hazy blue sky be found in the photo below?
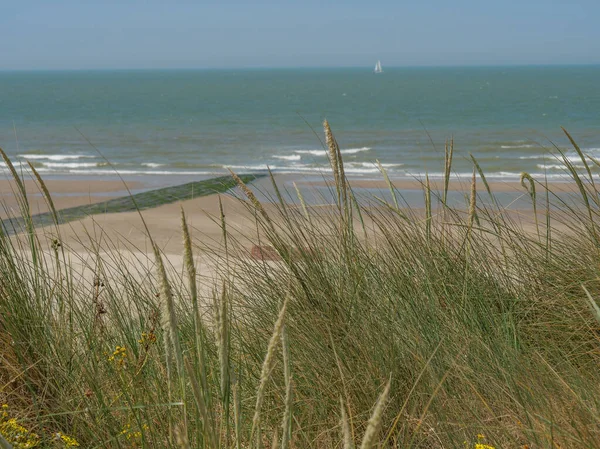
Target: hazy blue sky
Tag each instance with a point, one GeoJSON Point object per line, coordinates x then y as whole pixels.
{"type": "Point", "coordinates": [81, 34]}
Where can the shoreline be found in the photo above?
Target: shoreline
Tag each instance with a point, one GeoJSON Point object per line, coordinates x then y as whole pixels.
{"type": "Point", "coordinates": [455, 184]}
{"type": "Point", "coordinates": [149, 180]}
{"type": "Point", "coordinates": [78, 190]}
{"type": "Point", "coordinates": [122, 227]}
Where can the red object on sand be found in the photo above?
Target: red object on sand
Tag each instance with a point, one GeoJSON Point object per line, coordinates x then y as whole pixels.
{"type": "Point", "coordinates": [264, 253]}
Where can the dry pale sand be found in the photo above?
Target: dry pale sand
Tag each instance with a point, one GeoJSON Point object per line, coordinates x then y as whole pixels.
{"type": "Point", "coordinates": [164, 225]}
{"type": "Point", "coordinates": [123, 235]}
{"type": "Point", "coordinates": [120, 241]}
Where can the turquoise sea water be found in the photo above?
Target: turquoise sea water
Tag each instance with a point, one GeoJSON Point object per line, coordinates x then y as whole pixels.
{"type": "Point", "coordinates": [198, 122]}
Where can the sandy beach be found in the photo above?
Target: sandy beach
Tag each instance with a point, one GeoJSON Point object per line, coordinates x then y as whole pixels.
{"type": "Point", "coordinates": [126, 229]}
{"type": "Point", "coordinates": [121, 239]}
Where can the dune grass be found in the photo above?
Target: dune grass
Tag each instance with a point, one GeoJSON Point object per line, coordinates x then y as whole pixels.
{"type": "Point", "coordinates": [380, 327]}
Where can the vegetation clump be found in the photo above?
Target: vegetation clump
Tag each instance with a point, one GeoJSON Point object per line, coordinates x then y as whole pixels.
{"type": "Point", "coordinates": [378, 325]}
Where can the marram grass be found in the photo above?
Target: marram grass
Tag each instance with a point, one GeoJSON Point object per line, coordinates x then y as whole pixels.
{"type": "Point", "coordinates": [472, 327]}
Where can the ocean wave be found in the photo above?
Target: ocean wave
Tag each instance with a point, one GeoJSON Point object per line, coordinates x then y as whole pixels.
{"type": "Point", "coordinates": [56, 157]}
{"type": "Point", "coordinates": [22, 166]}
{"type": "Point", "coordinates": [19, 165]}
{"type": "Point", "coordinates": [140, 172]}
{"type": "Point", "coordinates": [360, 171]}
{"type": "Point", "coordinates": [504, 175]}
{"type": "Point", "coordinates": [323, 153]}
{"type": "Point", "coordinates": [536, 156]}
{"type": "Point", "coordinates": [573, 158]}
{"type": "Point", "coordinates": [300, 168]}
{"type": "Point", "coordinates": [291, 157]}
{"type": "Point", "coordinates": [355, 150]}
{"type": "Point", "coordinates": [69, 164]}
{"type": "Point", "coordinates": [295, 168]}
{"type": "Point", "coordinates": [557, 166]}
{"type": "Point", "coordinates": [152, 164]}
{"type": "Point", "coordinates": [312, 152]}
{"type": "Point", "coordinates": [516, 146]}
{"type": "Point", "coordinates": [370, 164]}
{"type": "Point", "coordinates": [260, 167]}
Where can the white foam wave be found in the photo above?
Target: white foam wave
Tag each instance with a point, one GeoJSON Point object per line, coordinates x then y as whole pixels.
{"type": "Point", "coordinates": [515, 146]}
{"type": "Point", "coordinates": [370, 164]}
{"type": "Point", "coordinates": [296, 168]}
{"type": "Point", "coordinates": [291, 157]}
{"type": "Point", "coordinates": [299, 168]}
{"type": "Point", "coordinates": [573, 158]}
{"type": "Point", "coordinates": [360, 171]}
{"type": "Point", "coordinates": [355, 150]}
{"type": "Point", "coordinates": [557, 166]}
{"type": "Point", "coordinates": [312, 152]}
{"type": "Point", "coordinates": [250, 167]}
{"type": "Point", "coordinates": [323, 153]}
{"type": "Point", "coordinates": [22, 166]}
{"type": "Point", "coordinates": [152, 164]}
{"type": "Point", "coordinates": [492, 175]}
{"type": "Point", "coordinates": [537, 156]}
{"type": "Point", "coordinates": [594, 152]}
{"type": "Point", "coordinates": [56, 157]}
{"type": "Point", "coordinates": [140, 172]}
{"type": "Point", "coordinates": [69, 164]}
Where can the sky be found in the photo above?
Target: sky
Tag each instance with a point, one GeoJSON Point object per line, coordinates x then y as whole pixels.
{"type": "Point", "coordinates": [135, 34]}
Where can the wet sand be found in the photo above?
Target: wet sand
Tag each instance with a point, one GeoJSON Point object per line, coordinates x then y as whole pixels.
{"type": "Point", "coordinates": [454, 185]}
{"type": "Point", "coordinates": [65, 193]}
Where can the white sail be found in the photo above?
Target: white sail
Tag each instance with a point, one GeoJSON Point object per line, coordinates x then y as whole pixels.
{"type": "Point", "coordinates": [378, 68]}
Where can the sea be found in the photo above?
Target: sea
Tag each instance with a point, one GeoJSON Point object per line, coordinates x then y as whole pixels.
{"type": "Point", "coordinates": [187, 123]}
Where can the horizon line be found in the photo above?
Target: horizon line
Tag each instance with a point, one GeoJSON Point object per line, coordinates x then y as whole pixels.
{"type": "Point", "coordinates": [257, 68]}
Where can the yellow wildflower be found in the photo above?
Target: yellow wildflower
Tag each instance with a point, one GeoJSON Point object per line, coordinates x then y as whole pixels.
{"type": "Point", "coordinates": [134, 435]}
{"type": "Point", "coordinates": [119, 356]}
{"type": "Point", "coordinates": [147, 338]}
{"type": "Point", "coordinates": [483, 446]}
{"type": "Point", "coordinates": [69, 441]}
{"type": "Point", "coordinates": [18, 435]}
{"type": "Point", "coordinates": [130, 434]}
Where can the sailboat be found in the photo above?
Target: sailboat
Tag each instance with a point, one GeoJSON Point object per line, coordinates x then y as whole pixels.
{"type": "Point", "coordinates": [378, 68]}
